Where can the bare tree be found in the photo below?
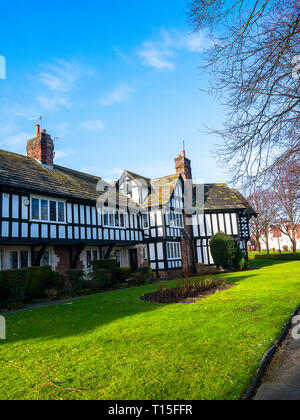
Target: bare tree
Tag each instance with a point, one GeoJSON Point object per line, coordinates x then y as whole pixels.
{"type": "Point", "coordinates": [262, 202]}
{"type": "Point", "coordinates": [254, 58]}
{"type": "Point", "coordinates": [255, 226]}
{"type": "Point", "coordinates": [286, 204]}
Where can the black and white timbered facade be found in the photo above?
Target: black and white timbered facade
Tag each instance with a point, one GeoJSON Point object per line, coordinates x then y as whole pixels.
{"type": "Point", "coordinates": [51, 215]}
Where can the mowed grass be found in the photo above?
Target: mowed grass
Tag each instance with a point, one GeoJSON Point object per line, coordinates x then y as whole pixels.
{"type": "Point", "coordinates": [119, 347]}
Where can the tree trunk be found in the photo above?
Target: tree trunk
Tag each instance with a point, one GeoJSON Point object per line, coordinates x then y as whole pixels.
{"type": "Point", "coordinates": [294, 242]}
{"type": "Point", "coordinates": [257, 244]}
{"type": "Point", "coordinates": [267, 244]}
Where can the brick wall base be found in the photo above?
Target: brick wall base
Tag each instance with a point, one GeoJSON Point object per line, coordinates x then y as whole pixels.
{"type": "Point", "coordinates": [64, 262]}
{"type": "Point", "coordinates": [169, 274]}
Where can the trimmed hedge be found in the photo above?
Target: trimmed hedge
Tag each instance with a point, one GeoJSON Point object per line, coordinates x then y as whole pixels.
{"type": "Point", "coordinates": [122, 274]}
{"type": "Point", "coordinates": [12, 288]}
{"type": "Point", "coordinates": [282, 257]}
{"type": "Point", "coordinates": [99, 280]}
{"type": "Point", "coordinates": [40, 279]}
{"type": "Point", "coordinates": [110, 265]}
{"type": "Point", "coordinates": [223, 250]}
{"type": "Point", "coordinates": [76, 280]}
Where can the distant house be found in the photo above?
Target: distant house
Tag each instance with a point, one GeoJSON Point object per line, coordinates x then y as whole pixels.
{"type": "Point", "coordinates": [279, 241]}
{"type": "Point", "coordinates": [52, 215]}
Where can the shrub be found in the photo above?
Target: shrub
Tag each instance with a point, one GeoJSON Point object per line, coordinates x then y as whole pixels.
{"type": "Point", "coordinates": [282, 257]}
{"type": "Point", "coordinates": [137, 279]}
{"type": "Point", "coordinates": [110, 265]}
{"type": "Point", "coordinates": [52, 294]}
{"type": "Point", "coordinates": [240, 260]}
{"type": "Point", "coordinates": [76, 280]}
{"type": "Point", "coordinates": [99, 280]}
{"type": "Point", "coordinates": [186, 289]}
{"type": "Point", "coordinates": [285, 248]}
{"type": "Point", "coordinates": [223, 250]}
{"type": "Point", "coordinates": [39, 279]}
{"type": "Point", "coordinates": [12, 288]}
{"type": "Point", "coordinates": [205, 270]}
{"type": "Point", "coordinates": [147, 272]}
{"type": "Point", "coordinates": [122, 274]}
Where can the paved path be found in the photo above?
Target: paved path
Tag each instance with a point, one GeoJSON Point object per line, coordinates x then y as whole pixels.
{"type": "Point", "coordinates": [282, 381]}
{"type": "Point", "coordinates": [30, 307]}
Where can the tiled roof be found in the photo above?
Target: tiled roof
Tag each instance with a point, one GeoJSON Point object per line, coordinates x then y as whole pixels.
{"type": "Point", "coordinates": [139, 178]}
{"type": "Point", "coordinates": [27, 174]}
{"type": "Point", "coordinates": [249, 208]}
{"type": "Point", "coordinates": [162, 190]}
{"type": "Point", "coordinates": [221, 197]}
{"type": "Point", "coordinates": [24, 173]}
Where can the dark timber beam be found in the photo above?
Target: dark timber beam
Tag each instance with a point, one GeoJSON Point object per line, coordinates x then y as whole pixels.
{"type": "Point", "coordinates": [36, 260]}
{"type": "Point", "coordinates": [76, 257]}
{"type": "Point", "coordinates": [108, 252]}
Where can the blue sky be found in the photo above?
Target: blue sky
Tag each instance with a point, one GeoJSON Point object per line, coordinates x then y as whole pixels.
{"type": "Point", "coordinates": [117, 80]}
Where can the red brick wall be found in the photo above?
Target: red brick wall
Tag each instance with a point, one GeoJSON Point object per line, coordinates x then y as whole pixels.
{"type": "Point", "coordinates": [183, 166]}
{"type": "Point", "coordinates": [169, 274]}
{"type": "Point", "coordinates": [42, 149]}
{"type": "Point", "coordinates": [63, 253]}
{"type": "Point", "coordinates": [188, 253]}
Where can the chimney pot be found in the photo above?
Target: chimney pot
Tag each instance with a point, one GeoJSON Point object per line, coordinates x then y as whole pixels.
{"type": "Point", "coordinates": [183, 166]}
{"type": "Point", "coordinates": [41, 148]}
{"type": "Point", "coordinates": [37, 130]}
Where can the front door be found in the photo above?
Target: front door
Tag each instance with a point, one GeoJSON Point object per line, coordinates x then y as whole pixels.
{"type": "Point", "coordinates": [133, 259]}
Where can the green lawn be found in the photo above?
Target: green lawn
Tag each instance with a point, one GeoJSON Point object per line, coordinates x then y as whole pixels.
{"type": "Point", "coordinates": [131, 349]}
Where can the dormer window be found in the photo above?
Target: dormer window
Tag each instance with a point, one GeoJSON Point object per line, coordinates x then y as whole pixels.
{"type": "Point", "coordinates": [128, 187]}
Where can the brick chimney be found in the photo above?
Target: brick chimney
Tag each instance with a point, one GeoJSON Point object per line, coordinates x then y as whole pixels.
{"type": "Point", "coordinates": [183, 166]}
{"type": "Point", "coordinates": [41, 147]}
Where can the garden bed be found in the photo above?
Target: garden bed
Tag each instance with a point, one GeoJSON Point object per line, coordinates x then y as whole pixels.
{"type": "Point", "coordinates": [188, 291]}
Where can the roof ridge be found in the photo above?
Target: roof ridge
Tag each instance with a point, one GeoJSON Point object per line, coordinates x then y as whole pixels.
{"type": "Point", "coordinates": [166, 176]}
{"type": "Point", "coordinates": [14, 153]}
{"type": "Point", "coordinates": [137, 175]}
{"type": "Point", "coordinates": [76, 172]}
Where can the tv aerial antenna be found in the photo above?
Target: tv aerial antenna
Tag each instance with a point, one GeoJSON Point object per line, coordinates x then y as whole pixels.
{"type": "Point", "coordinates": [37, 118]}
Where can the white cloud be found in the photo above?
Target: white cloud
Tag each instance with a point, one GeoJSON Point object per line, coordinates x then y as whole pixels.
{"type": "Point", "coordinates": [161, 52]}
{"type": "Point", "coordinates": [120, 94]}
{"type": "Point", "coordinates": [58, 80]}
{"type": "Point", "coordinates": [53, 103]}
{"type": "Point", "coordinates": [197, 42]}
{"type": "Point", "coordinates": [154, 57]}
{"type": "Point", "coordinates": [59, 154]}
{"type": "Point", "coordinates": [93, 125]}
{"type": "Point", "coordinates": [61, 76]}
{"type": "Point", "coordinates": [16, 141]}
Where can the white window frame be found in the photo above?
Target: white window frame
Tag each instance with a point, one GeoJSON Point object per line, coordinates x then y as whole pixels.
{"type": "Point", "coordinates": [173, 248]}
{"type": "Point", "coordinates": [19, 251]}
{"type": "Point", "coordinates": [145, 225]}
{"type": "Point", "coordinates": [40, 198]}
{"type": "Point", "coordinates": [173, 219]}
{"type": "Point", "coordinates": [112, 213]}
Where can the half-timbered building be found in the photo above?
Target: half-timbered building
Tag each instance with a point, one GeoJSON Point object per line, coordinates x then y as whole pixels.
{"type": "Point", "coordinates": [52, 215]}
